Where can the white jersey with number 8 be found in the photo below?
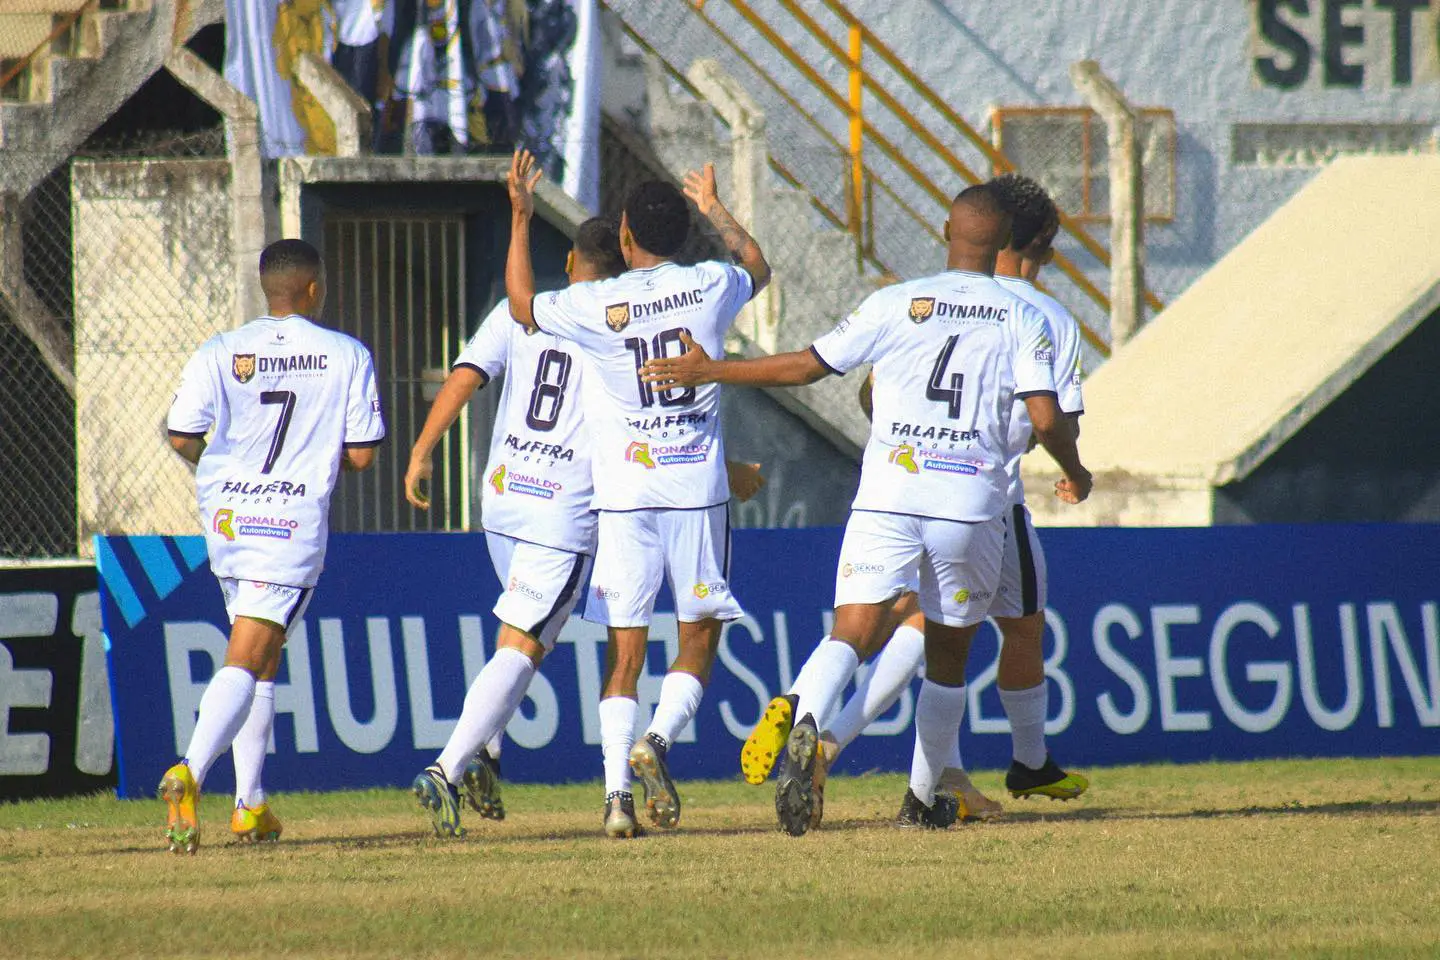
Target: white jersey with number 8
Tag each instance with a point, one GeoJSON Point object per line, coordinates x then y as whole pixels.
{"type": "Point", "coordinates": [537, 484]}
{"type": "Point", "coordinates": [951, 354]}
{"type": "Point", "coordinates": [653, 447]}
{"type": "Point", "coordinates": [285, 397]}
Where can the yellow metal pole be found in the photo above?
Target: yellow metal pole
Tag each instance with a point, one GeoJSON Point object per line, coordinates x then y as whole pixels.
{"type": "Point", "coordinates": [857, 141]}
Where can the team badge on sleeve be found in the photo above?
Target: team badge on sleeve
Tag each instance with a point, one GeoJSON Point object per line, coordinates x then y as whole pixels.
{"type": "Point", "coordinates": [921, 308]}
{"type": "Point", "coordinates": [242, 365]}
{"type": "Point", "coordinates": [617, 316]}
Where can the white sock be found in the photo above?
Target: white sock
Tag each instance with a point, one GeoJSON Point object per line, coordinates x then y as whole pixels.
{"type": "Point", "coordinates": [680, 695]}
{"type": "Point", "coordinates": [493, 747]}
{"type": "Point", "coordinates": [224, 708]}
{"type": "Point", "coordinates": [1026, 710]}
{"type": "Point", "coordinates": [617, 736]}
{"type": "Point", "coordinates": [250, 746]}
{"type": "Point", "coordinates": [823, 679]}
{"type": "Point", "coordinates": [896, 666]}
{"type": "Point", "coordinates": [937, 731]}
{"type": "Point", "coordinates": [491, 700]}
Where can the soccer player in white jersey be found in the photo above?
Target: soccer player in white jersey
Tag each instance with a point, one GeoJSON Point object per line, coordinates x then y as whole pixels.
{"type": "Point", "coordinates": [950, 354]}
{"type": "Point", "coordinates": [659, 461]}
{"type": "Point", "coordinates": [287, 403]}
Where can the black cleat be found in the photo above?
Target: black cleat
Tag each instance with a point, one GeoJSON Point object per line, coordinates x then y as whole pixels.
{"type": "Point", "coordinates": [482, 787]}
{"type": "Point", "coordinates": [794, 789]}
{"type": "Point", "coordinates": [1048, 781]}
{"type": "Point", "coordinates": [915, 815]}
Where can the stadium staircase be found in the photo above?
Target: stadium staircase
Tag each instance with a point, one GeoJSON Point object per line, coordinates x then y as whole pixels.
{"type": "Point", "coordinates": [67, 65]}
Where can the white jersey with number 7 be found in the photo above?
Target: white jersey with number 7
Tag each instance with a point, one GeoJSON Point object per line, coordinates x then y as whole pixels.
{"type": "Point", "coordinates": [951, 353]}
{"type": "Point", "coordinates": [653, 447]}
{"type": "Point", "coordinates": [284, 397]}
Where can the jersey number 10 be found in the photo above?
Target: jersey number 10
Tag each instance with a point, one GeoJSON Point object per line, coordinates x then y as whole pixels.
{"type": "Point", "coordinates": [669, 396]}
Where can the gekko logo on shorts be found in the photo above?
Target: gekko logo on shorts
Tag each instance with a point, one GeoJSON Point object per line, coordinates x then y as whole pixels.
{"type": "Point", "coordinates": [524, 589]}
{"type": "Point", "coordinates": [221, 523]}
{"type": "Point", "coordinates": [849, 569]}
{"type": "Point", "coordinates": [605, 593]}
{"type": "Point", "coordinates": [964, 595]}
{"type": "Point", "coordinates": [703, 590]}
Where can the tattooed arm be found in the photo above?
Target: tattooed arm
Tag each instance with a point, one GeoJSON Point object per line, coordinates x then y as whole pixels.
{"type": "Point", "coordinates": [700, 187]}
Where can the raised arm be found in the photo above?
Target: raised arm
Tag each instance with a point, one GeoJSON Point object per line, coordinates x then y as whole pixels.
{"type": "Point", "coordinates": [459, 387]}
{"type": "Point", "coordinates": [694, 367]}
{"type": "Point", "coordinates": [1056, 433]}
{"type": "Point", "coordinates": [519, 274]}
{"type": "Point", "coordinates": [700, 187]}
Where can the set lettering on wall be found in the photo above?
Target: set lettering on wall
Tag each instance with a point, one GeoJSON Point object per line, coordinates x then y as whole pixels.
{"type": "Point", "coordinates": [1338, 41]}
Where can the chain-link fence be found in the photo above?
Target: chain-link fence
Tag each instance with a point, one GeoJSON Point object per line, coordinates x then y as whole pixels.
{"type": "Point", "coordinates": [119, 262]}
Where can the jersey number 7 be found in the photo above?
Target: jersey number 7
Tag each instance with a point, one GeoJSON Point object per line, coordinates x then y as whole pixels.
{"type": "Point", "coordinates": [936, 389]}
{"type": "Point", "coordinates": [286, 399]}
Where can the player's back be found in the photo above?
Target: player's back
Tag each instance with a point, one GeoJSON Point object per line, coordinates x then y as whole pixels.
{"type": "Point", "coordinates": [285, 396]}
{"type": "Point", "coordinates": [653, 447]}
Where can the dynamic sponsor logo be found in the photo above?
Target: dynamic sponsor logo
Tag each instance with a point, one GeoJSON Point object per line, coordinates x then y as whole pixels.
{"type": "Point", "coordinates": [242, 366]}
{"type": "Point", "coordinates": [281, 488]}
{"type": "Point", "coordinates": [675, 301]}
{"type": "Point", "coordinates": [669, 420]}
{"type": "Point", "coordinates": [904, 456]}
{"type": "Point", "coordinates": [532, 486]}
{"type": "Point", "coordinates": [497, 480]}
{"type": "Point", "coordinates": [617, 316]}
{"type": "Point", "coordinates": [222, 523]}
{"type": "Point", "coordinates": [703, 590]}
{"type": "Point", "coordinates": [639, 453]}
{"type": "Point", "coordinates": [914, 431]}
{"type": "Point", "coordinates": [921, 309]}
{"type": "Point", "coordinates": [274, 528]}
{"type": "Point", "coordinates": [300, 362]}
{"type": "Point", "coordinates": [539, 448]}
{"type": "Point", "coordinates": [970, 311]}
{"type": "Point", "coordinates": [524, 589]}
{"type": "Point", "coordinates": [851, 569]}
{"type": "Point", "coordinates": [606, 593]}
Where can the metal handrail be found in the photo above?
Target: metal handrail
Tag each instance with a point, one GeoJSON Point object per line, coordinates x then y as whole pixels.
{"type": "Point", "coordinates": [25, 62]}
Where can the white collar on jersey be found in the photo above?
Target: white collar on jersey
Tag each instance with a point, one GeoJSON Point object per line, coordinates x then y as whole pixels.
{"type": "Point", "coordinates": [969, 273]}
{"type": "Point", "coordinates": [288, 316]}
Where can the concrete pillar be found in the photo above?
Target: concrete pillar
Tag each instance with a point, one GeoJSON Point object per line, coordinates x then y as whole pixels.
{"type": "Point", "coordinates": [1127, 199]}
{"type": "Point", "coordinates": [749, 188]}
{"type": "Point", "coordinates": [242, 148]}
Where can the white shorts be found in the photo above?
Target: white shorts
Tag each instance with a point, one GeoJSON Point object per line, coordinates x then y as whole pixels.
{"type": "Point", "coordinates": [639, 547]}
{"type": "Point", "coordinates": [542, 585]}
{"type": "Point", "coordinates": [258, 600]}
{"type": "Point", "coordinates": [1023, 579]}
{"type": "Point", "coordinates": [958, 563]}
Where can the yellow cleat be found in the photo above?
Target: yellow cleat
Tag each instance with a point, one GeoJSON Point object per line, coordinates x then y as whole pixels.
{"type": "Point", "coordinates": [249, 825]}
{"type": "Point", "coordinates": [974, 805]}
{"type": "Point", "coordinates": [1048, 781]}
{"type": "Point", "coordinates": [182, 798]}
{"type": "Point", "coordinates": [763, 746]}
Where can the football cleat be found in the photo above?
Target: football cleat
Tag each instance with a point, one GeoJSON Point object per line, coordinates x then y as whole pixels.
{"type": "Point", "coordinates": [974, 805]}
{"type": "Point", "coordinates": [620, 822]}
{"type": "Point", "coordinates": [647, 763]}
{"type": "Point", "coordinates": [482, 787]}
{"type": "Point", "coordinates": [940, 815]}
{"type": "Point", "coordinates": [182, 798]}
{"type": "Point", "coordinates": [795, 787]}
{"type": "Point", "coordinates": [1048, 781]}
{"type": "Point", "coordinates": [825, 756]}
{"type": "Point", "coordinates": [765, 743]}
{"type": "Point", "coordinates": [252, 825]}
{"type": "Point", "coordinates": [439, 798]}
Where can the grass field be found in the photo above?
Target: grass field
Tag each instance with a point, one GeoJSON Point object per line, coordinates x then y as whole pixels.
{"type": "Point", "coordinates": [1314, 858]}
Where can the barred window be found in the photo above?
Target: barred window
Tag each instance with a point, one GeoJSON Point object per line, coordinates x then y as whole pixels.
{"type": "Point", "coordinates": [1067, 150]}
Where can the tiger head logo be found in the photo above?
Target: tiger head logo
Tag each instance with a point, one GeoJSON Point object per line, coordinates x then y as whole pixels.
{"type": "Point", "coordinates": [921, 308]}
{"type": "Point", "coordinates": [617, 316]}
{"type": "Point", "coordinates": [242, 365]}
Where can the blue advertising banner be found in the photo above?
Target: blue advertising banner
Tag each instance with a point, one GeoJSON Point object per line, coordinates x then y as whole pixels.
{"type": "Point", "coordinates": [1163, 645]}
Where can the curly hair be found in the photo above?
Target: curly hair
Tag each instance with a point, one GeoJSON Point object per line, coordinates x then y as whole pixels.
{"type": "Point", "coordinates": [658, 218]}
{"type": "Point", "coordinates": [1033, 214]}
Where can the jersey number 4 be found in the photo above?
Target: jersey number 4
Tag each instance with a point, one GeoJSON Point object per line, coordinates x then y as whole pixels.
{"type": "Point", "coordinates": [552, 375]}
{"type": "Point", "coordinates": [937, 390]}
{"type": "Point", "coordinates": [286, 400]}
{"type": "Point", "coordinates": [660, 343]}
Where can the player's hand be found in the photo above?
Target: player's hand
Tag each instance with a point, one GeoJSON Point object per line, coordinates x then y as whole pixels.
{"type": "Point", "coordinates": [419, 471]}
{"type": "Point", "coordinates": [700, 187]}
{"type": "Point", "coordinates": [690, 369]}
{"type": "Point", "coordinates": [524, 174]}
{"type": "Point", "coordinates": [745, 479]}
{"type": "Point", "coordinates": [1074, 489]}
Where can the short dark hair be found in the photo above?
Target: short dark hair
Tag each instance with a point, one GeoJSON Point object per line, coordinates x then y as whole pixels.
{"type": "Point", "coordinates": [285, 255]}
{"type": "Point", "coordinates": [1032, 213]}
{"type": "Point", "coordinates": [598, 241]}
{"type": "Point", "coordinates": [658, 217]}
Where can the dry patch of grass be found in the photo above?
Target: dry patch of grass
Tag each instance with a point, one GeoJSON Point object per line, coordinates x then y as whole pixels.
{"type": "Point", "coordinates": [1314, 858]}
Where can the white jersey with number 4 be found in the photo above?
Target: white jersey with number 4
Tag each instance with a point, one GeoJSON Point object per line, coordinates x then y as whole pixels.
{"type": "Point", "coordinates": [284, 397]}
{"type": "Point", "coordinates": [1067, 365]}
{"type": "Point", "coordinates": [652, 447]}
{"type": "Point", "coordinates": [951, 354]}
{"type": "Point", "coordinates": [537, 484]}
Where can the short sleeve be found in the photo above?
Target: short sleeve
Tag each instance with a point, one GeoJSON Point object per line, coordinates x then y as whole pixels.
{"type": "Point", "coordinates": [1068, 364]}
{"type": "Point", "coordinates": [739, 285]}
{"type": "Point", "coordinates": [364, 423]}
{"type": "Point", "coordinates": [192, 413]}
{"type": "Point", "coordinates": [489, 349]}
{"type": "Point", "coordinates": [560, 311]}
{"type": "Point", "coordinates": [1034, 358]}
{"type": "Point", "coordinates": [853, 340]}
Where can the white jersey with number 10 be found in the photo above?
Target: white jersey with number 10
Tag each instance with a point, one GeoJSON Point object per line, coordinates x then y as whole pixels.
{"type": "Point", "coordinates": [285, 397]}
{"type": "Point", "coordinates": [653, 447]}
{"type": "Point", "coordinates": [951, 354]}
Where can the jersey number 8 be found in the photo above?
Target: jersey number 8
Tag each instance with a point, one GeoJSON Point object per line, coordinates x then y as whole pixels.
{"type": "Point", "coordinates": [552, 374]}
